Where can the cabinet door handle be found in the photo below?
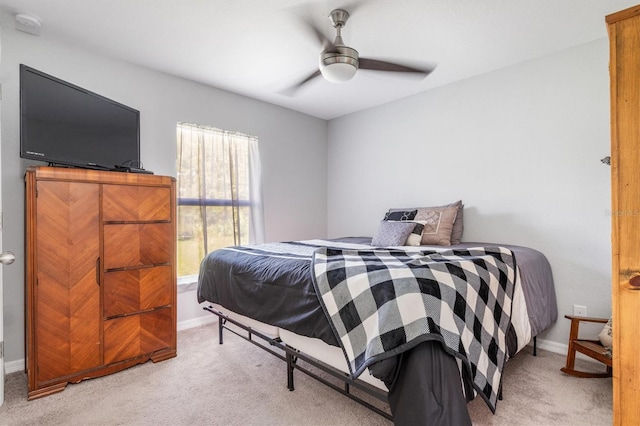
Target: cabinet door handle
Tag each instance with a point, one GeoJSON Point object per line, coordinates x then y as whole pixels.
{"type": "Point", "coordinates": [98, 271]}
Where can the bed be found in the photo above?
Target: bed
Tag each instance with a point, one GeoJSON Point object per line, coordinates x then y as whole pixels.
{"type": "Point", "coordinates": [283, 292]}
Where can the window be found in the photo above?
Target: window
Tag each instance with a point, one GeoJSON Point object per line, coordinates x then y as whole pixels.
{"type": "Point", "coordinates": [219, 193]}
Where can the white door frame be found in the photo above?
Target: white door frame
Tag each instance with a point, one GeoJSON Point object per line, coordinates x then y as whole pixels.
{"type": "Point", "coordinates": [1, 288]}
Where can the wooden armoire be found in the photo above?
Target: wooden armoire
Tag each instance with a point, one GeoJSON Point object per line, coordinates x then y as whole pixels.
{"type": "Point", "coordinates": [100, 274]}
{"type": "Point", "coordinates": [624, 69]}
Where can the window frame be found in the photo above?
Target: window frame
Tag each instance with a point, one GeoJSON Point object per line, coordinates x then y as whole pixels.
{"type": "Point", "coordinates": [242, 231]}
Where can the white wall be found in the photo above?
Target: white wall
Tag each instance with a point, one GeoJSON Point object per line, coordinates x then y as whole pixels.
{"type": "Point", "coordinates": [521, 147]}
{"type": "Point", "coordinates": [292, 148]}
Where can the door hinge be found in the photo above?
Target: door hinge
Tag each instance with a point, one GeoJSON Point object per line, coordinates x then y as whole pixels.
{"type": "Point", "coordinates": [2, 349]}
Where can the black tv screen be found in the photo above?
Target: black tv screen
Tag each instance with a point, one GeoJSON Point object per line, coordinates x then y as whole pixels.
{"type": "Point", "coordinates": [64, 124]}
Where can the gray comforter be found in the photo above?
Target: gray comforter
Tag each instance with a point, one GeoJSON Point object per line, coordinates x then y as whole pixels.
{"type": "Point", "coordinates": [273, 284]}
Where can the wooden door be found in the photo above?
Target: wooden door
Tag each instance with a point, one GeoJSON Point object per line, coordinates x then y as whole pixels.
{"type": "Point", "coordinates": [624, 68]}
{"type": "Point", "coordinates": [67, 294]}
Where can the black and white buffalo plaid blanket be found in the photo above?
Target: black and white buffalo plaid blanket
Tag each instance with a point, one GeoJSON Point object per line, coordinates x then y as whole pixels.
{"type": "Point", "coordinates": [383, 302]}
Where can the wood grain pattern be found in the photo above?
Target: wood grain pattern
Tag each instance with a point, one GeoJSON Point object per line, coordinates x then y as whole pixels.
{"type": "Point", "coordinates": [623, 14]}
{"type": "Point", "coordinates": [83, 321]}
{"type": "Point", "coordinates": [624, 67]}
{"type": "Point", "coordinates": [136, 290]}
{"type": "Point", "coordinates": [132, 245]}
{"type": "Point", "coordinates": [135, 203]}
{"type": "Point", "coordinates": [67, 295]}
{"type": "Point", "coordinates": [96, 176]}
{"type": "Point", "coordinates": [135, 335]}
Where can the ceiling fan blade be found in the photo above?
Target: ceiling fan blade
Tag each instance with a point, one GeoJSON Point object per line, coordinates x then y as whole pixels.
{"type": "Point", "coordinates": [322, 39]}
{"type": "Point", "coordinates": [290, 91]}
{"type": "Point", "coordinates": [308, 25]}
{"type": "Point", "coordinates": [377, 65]}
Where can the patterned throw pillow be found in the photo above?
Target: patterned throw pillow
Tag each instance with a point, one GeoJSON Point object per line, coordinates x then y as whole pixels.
{"type": "Point", "coordinates": [392, 233]}
{"type": "Point", "coordinates": [400, 215]}
{"type": "Point", "coordinates": [438, 225]}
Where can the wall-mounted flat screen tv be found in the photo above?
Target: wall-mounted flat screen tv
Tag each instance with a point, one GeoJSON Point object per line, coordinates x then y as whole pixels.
{"type": "Point", "coordinates": [63, 124]}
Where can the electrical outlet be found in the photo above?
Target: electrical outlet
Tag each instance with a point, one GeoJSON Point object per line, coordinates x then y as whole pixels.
{"type": "Point", "coordinates": [579, 310]}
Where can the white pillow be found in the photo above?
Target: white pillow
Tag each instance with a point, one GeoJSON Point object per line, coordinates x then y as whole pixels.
{"type": "Point", "coordinates": [606, 335]}
{"type": "Point", "coordinates": [415, 238]}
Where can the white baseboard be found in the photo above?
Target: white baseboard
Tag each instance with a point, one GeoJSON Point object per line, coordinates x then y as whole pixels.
{"type": "Point", "coordinates": [197, 321]}
{"type": "Point", "coordinates": [14, 366]}
{"type": "Point", "coordinates": [548, 345]}
{"type": "Point", "coordinates": [560, 348]}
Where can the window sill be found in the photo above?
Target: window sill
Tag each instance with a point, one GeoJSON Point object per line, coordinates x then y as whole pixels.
{"type": "Point", "coordinates": [187, 283]}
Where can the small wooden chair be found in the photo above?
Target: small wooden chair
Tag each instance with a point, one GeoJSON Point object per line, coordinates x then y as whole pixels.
{"type": "Point", "coordinates": [591, 348]}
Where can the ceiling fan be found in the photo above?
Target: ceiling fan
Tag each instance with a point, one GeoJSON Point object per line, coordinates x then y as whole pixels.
{"type": "Point", "coordinates": [339, 62]}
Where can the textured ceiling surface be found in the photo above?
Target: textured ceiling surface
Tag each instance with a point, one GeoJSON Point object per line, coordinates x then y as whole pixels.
{"type": "Point", "coordinates": [258, 48]}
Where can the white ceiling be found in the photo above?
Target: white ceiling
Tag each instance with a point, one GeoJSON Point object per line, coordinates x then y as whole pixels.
{"type": "Point", "coordinates": [258, 48]}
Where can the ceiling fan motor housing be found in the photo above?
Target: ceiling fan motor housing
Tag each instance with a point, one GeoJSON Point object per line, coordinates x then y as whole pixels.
{"type": "Point", "coordinates": [338, 17]}
{"type": "Point", "coordinates": [340, 64]}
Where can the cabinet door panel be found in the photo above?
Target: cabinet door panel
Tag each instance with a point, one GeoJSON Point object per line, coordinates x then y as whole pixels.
{"type": "Point", "coordinates": [136, 203]}
{"type": "Point", "coordinates": [137, 290]}
{"type": "Point", "coordinates": [140, 334]}
{"type": "Point", "coordinates": [67, 324]}
{"type": "Point", "coordinates": [624, 34]}
{"type": "Point", "coordinates": [131, 245]}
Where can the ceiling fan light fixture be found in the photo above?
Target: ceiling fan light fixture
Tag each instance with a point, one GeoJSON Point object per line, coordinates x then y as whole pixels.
{"type": "Point", "coordinates": [338, 72]}
{"type": "Point", "coordinates": [340, 66]}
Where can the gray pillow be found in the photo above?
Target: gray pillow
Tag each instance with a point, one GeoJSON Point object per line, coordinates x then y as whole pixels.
{"type": "Point", "coordinates": [392, 233]}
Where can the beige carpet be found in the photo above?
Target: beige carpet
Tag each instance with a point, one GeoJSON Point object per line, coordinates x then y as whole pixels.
{"type": "Point", "coordinates": [240, 384]}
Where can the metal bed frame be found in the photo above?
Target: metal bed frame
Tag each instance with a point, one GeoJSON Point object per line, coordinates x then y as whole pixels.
{"type": "Point", "coordinates": [291, 356]}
